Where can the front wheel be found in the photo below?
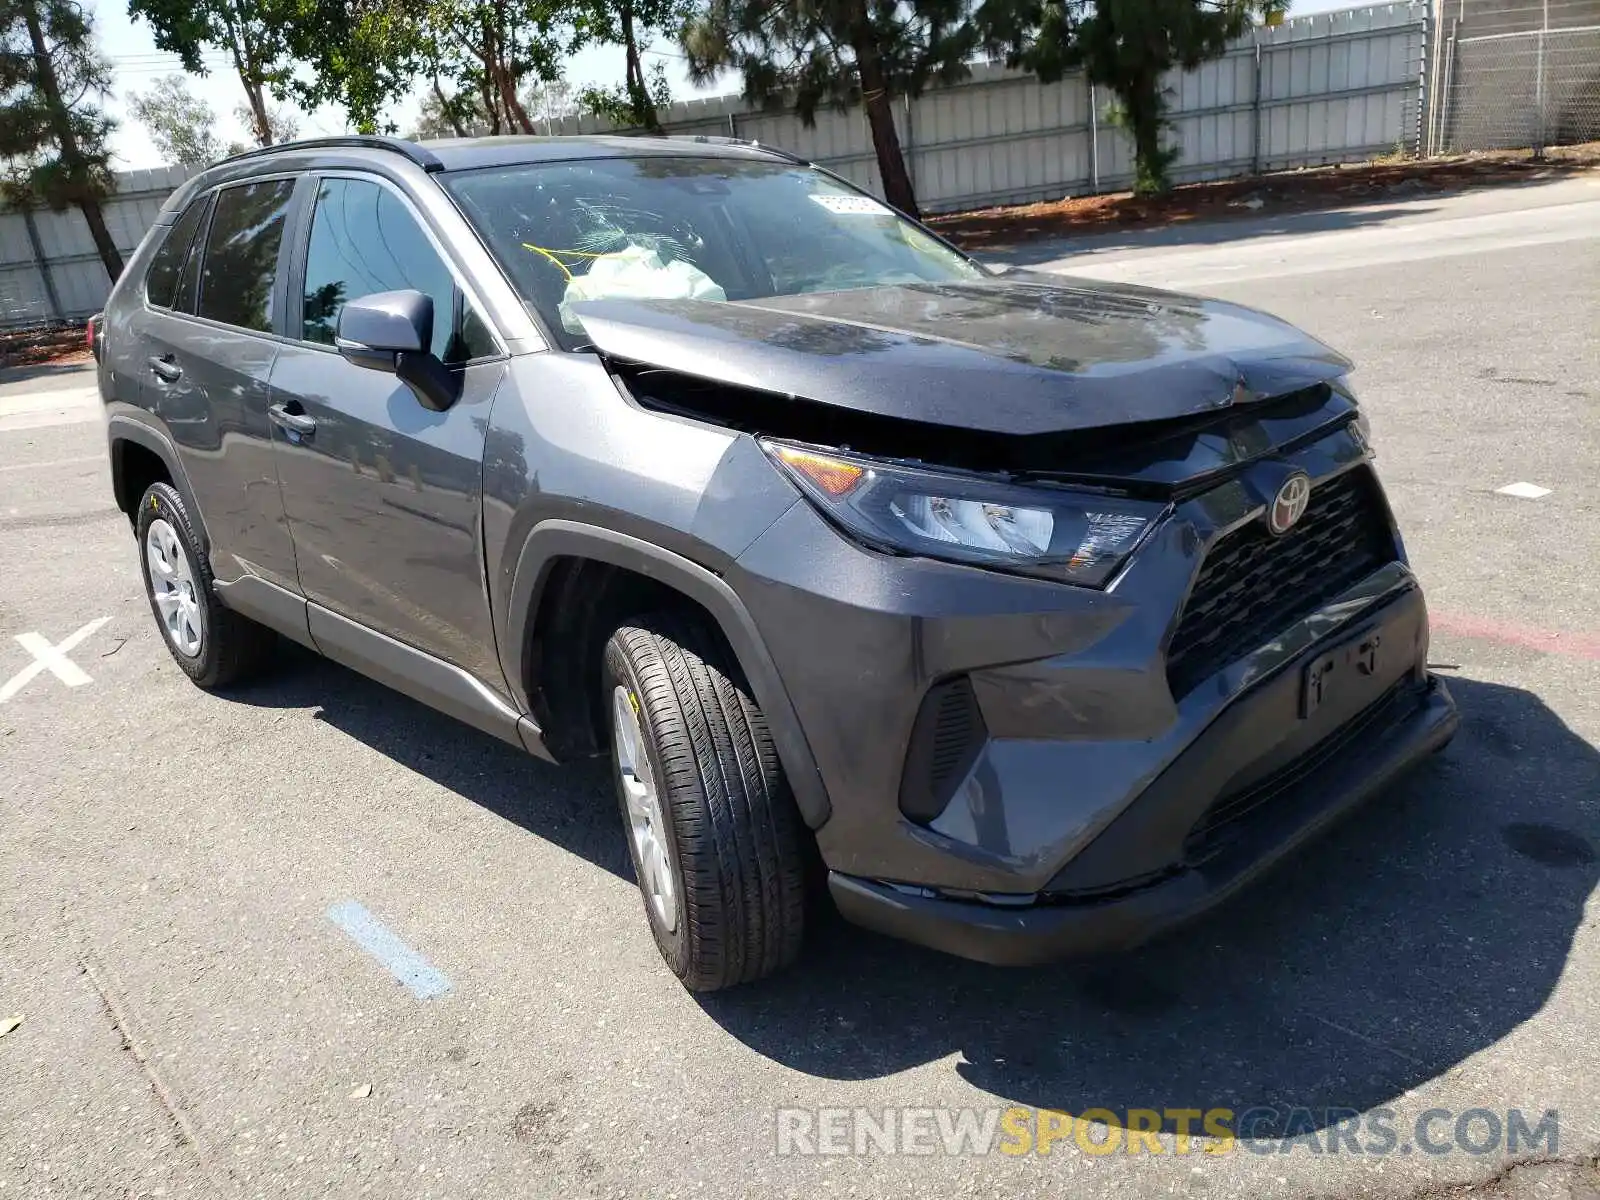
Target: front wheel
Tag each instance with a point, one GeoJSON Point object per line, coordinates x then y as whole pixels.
{"type": "Point", "coordinates": [716, 841]}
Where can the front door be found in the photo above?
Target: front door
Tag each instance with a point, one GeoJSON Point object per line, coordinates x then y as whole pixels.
{"type": "Point", "coordinates": [206, 356]}
{"type": "Point", "coordinates": [384, 495]}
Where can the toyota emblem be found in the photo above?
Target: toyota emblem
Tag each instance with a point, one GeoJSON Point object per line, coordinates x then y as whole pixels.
{"type": "Point", "coordinates": [1289, 505]}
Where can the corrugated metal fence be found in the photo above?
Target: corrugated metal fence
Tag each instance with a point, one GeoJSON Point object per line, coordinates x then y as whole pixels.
{"type": "Point", "coordinates": [49, 269]}
{"type": "Point", "coordinates": [1333, 87]}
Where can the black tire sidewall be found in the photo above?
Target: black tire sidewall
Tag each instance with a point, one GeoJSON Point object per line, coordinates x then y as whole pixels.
{"type": "Point", "coordinates": [673, 943]}
{"type": "Point", "coordinates": [161, 501]}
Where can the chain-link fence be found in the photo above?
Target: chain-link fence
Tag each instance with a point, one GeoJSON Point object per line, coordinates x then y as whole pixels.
{"type": "Point", "coordinates": [1533, 88]}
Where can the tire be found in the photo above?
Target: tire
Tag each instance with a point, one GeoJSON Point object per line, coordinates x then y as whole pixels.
{"type": "Point", "coordinates": [226, 647]}
{"type": "Point", "coordinates": [734, 844]}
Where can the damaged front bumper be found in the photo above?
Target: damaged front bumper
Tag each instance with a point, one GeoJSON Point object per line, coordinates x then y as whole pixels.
{"type": "Point", "coordinates": [1411, 722]}
{"type": "Point", "coordinates": [1018, 770]}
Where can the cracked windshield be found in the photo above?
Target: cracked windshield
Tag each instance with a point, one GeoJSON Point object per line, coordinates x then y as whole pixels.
{"type": "Point", "coordinates": [691, 229]}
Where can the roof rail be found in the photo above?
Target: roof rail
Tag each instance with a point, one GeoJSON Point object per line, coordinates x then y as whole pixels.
{"type": "Point", "coordinates": [717, 139]}
{"type": "Point", "coordinates": [426, 159]}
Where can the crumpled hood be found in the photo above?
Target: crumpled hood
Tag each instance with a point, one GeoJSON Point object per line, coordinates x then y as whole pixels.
{"type": "Point", "coordinates": [1021, 354]}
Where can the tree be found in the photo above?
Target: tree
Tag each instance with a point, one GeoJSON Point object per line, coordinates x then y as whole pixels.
{"type": "Point", "coordinates": [256, 35]}
{"type": "Point", "coordinates": [631, 24]}
{"type": "Point", "coordinates": [1125, 46]}
{"type": "Point", "coordinates": [837, 52]}
{"type": "Point", "coordinates": [628, 105]}
{"type": "Point", "coordinates": [478, 56]}
{"type": "Point", "coordinates": [182, 126]}
{"type": "Point", "coordinates": [462, 115]}
{"type": "Point", "coordinates": [281, 123]}
{"type": "Point", "coordinates": [52, 136]}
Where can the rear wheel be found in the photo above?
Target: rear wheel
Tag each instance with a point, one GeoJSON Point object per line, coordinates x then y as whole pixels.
{"type": "Point", "coordinates": [716, 841]}
{"type": "Point", "coordinates": [213, 645]}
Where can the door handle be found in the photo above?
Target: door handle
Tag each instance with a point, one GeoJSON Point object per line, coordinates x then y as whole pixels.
{"type": "Point", "coordinates": [166, 368]}
{"type": "Point", "coordinates": [297, 423]}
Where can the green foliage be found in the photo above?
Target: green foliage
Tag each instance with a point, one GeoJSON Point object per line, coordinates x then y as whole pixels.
{"type": "Point", "coordinates": [811, 55]}
{"type": "Point", "coordinates": [1125, 46]}
{"type": "Point", "coordinates": [631, 24]}
{"type": "Point", "coordinates": [54, 148]}
{"type": "Point", "coordinates": [837, 52]}
{"type": "Point", "coordinates": [259, 37]}
{"type": "Point", "coordinates": [627, 107]}
{"type": "Point", "coordinates": [182, 126]}
{"type": "Point", "coordinates": [370, 53]}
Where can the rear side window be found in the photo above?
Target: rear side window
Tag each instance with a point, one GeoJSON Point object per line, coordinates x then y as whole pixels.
{"type": "Point", "coordinates": [161, 284]}
{"type": "Point", "coordinates": [189, 281]}
{"type": "Point", "coordinates": [241, 260]}
{"type": "Point", "coordinates": [365, 240]}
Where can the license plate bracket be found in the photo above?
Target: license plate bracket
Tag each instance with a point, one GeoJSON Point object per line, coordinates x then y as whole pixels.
{"type": "Point", "coordinates": [1357, 657]}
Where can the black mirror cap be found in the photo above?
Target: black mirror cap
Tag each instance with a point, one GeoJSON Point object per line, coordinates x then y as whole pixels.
{"type": "Point", "coordinates": [375, 328]}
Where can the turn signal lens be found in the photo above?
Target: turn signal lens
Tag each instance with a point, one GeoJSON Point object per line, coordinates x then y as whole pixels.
{"type": "Point", "coordinates": [832, 476]}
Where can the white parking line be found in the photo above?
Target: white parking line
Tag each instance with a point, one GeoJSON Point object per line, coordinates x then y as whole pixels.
{"type": "Point", "coordinates": [400, 960]}
{"type": "Point", "coordinates": [1523, 490]}
{"type": "Point", "coordinates": [50, 658]}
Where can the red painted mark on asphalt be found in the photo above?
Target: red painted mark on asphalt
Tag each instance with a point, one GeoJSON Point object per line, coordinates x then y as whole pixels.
{"type": "Point", "coordinates": [1551, 641]}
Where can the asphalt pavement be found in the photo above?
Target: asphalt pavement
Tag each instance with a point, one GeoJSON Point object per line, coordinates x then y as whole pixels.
{"type": "Point", "coordinates": [307, 938]}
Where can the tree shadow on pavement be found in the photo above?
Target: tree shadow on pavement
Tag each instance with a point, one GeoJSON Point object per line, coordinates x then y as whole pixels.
{"type": "Point", "coordinates": [571, 806]}
{"type": "Point", "coordinates": [1421, 931]}
{"type": "Point", "coordinates": [1424, 929]}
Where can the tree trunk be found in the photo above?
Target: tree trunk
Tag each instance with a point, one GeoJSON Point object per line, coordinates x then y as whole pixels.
{"type": "Point", "coordinates": [244, 62]}
{"type": "Point", "coordinates": [514, 107]}
{"type": "Point", "coordinates": [897, 189]}
{"type": "Point", "coordinates": [639, 97]}
{"type": "Point", "coordinates": [258, 111]}
{"type": "Point", "coordinates": [447, 110]}
{"type": "Point", "coordinates": [487, 56]}
{"type": "Point", "coordinates": [71, 157]}
{"type": "Point", "coordinates": [1142, 103]}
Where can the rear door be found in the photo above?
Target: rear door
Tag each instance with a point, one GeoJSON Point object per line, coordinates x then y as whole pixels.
{"type": "Point", "coordinates": [206, 346]}
{"type": "Point", "coordinates": [384, 496]}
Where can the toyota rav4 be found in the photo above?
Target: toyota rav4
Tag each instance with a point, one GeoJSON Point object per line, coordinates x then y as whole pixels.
{"type": "Point", "coordinates": [1025, 616]}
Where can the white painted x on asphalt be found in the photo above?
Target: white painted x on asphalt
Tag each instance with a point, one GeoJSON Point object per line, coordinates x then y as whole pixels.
{"type": "Point", "coordinates": [50, 658]}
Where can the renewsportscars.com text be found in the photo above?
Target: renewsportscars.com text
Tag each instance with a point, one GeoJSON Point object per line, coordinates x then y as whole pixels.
{"type": "Point", "coordinates": [1020, 1130]}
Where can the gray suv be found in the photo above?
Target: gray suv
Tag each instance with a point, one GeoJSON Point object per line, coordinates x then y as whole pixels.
{"type": "Point", "coordinates": [1024, 616]}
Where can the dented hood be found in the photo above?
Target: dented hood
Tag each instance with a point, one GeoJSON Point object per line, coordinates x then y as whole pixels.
{"type": "Point", "coordinates": [1021, 354]}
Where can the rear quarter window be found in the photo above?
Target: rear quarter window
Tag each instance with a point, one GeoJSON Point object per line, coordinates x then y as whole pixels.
{"type": "Point", "coordinates": [241, 253]}
{"type": "Point", "coordinates": [161, 283]}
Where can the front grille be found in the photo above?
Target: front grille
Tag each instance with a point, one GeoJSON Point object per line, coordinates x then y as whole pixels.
{"type": "Point", "coordinates": [1253, 584]}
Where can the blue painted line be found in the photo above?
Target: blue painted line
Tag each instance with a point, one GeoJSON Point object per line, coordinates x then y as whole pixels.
{"type": "Point", "coordinates": [404, 963]}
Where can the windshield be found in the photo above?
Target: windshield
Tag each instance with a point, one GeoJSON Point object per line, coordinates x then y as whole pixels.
{"type": "Point", "coordinates": [697, 228]}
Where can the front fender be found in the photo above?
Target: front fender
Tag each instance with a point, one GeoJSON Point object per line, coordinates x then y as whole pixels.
{"type": "Point", "coordinates": [554, 539]}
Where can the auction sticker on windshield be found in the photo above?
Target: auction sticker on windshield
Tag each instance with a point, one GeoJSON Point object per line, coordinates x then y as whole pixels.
{"type": "Point", "coordinates": [851, 206]}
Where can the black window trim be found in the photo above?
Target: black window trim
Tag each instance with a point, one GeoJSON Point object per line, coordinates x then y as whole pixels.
{"type": "Point", "coordinates": [210, 194]}
{"type": "Point", "coordinates": [463, 294]}
{"type": "Point", "coordinates": [203, 202]}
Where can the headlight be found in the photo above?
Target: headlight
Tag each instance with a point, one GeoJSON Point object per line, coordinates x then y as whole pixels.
{"type": "Point", "coordinates": [1077, 537]}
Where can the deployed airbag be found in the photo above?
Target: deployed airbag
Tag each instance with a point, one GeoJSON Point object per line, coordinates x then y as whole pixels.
{"type": "Point", "coordinates": [637, 273]}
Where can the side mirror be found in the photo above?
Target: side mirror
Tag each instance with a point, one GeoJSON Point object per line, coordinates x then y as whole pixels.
{"type": "Point", "coordinates": [392, 331]}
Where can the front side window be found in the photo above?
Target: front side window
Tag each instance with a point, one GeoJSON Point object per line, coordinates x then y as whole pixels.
{"type": "Point", "coordinates": [241, 259]}
{"type": "Point", "coordinates": [365, 240]}
{"type": "Point", "coordinates": [161, 284]}
{"type": "Point", "coordinates": [693, 227]}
